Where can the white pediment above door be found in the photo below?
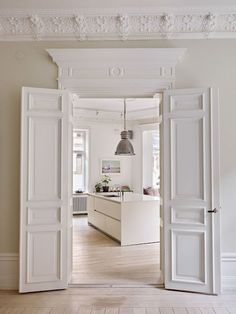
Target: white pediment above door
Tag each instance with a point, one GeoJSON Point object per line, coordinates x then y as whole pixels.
{"type": "Point", "coordinates": [116, 72]}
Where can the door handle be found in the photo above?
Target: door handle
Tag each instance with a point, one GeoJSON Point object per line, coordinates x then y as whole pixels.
{"type": "Point", "coordinates": [212, 211]}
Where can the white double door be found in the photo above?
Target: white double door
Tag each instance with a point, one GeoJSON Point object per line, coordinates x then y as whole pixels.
{"type": "Point", "coordinates": [190, 190]}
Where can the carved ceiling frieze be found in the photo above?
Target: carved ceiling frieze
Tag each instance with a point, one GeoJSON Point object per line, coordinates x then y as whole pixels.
{"type": "Point", "coordinates": [75, 25]}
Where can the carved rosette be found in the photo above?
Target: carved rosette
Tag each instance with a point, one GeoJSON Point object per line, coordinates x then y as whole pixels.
{"type": "Point", "coordinates": [73, 25]}
{"type": "Point", "coordinates": [230, 23]}
{"type": "Point", "coordinates": [14, 24]}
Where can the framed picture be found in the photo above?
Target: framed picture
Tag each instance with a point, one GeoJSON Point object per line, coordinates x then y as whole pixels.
{"type": "Point", "coordinates": [110, 166]}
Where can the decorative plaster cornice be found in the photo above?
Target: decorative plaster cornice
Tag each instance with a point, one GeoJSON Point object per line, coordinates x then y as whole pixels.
{"type": "Point", "coordinates": [125, 24]}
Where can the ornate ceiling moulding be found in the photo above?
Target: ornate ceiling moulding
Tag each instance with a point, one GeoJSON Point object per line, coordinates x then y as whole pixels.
{"type": "Point", "coordinates": [125, 24]}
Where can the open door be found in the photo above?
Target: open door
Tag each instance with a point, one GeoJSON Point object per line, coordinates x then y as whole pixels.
{"type": "Point", "coordinates": [45, 193]}
{"type": "Point", "coordinates": [191, 190]}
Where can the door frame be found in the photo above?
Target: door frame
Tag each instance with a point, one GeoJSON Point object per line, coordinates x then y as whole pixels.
{"type": "Point", "coordinates": [159, 122]}
{"type": "Point", "coordinates": [133, 72]}
{"type": "Point", "coordinates": [214, 125]}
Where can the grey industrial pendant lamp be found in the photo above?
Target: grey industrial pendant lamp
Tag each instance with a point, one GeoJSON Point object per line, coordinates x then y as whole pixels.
{"type": "Point", "coordinates": [124, 147]}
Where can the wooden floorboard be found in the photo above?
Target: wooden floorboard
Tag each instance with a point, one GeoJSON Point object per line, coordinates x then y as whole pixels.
{"type": "Point", "coordinates": [98, 259]}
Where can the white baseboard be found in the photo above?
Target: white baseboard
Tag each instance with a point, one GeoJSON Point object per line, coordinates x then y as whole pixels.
{"type": "Point", "coordinates": [9, 271]}
{"type": "Point", "coordinates": [228, 265]}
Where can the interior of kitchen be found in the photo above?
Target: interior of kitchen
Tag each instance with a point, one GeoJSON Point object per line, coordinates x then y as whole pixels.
{"type": "Point", "coordinates": [116, 191]}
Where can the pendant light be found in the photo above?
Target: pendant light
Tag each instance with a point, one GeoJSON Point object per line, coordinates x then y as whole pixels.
{"type": "Point", "coordinates": [124, 147]}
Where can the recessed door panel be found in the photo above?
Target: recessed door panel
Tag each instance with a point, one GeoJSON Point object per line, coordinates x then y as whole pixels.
{"type": "Point", "coordinates": [194, 101]}
{"type": "Point", "coordinates": [44, 158]}
{"type": "Point", "coordinates": [44, 216]}
{"type": "Point", "coordinates": [188, 256]}
{"type": "Point", "coordinates": [44, 262]}
{"type": "Point", "coordinates": [188, 215]}
{"type": "Point", "coordinates": [187, 158]}
{"type": "Point", "coordinates": [48, 102]}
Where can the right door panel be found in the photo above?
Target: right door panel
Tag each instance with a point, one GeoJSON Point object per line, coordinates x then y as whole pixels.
{"type": "Point", "coordinates": [190, 183]}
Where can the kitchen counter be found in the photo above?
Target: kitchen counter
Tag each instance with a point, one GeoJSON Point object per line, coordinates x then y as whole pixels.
{"type": "Point", "coordinates": [128, 197]}
{"type": "Point", "coordinates": [130, 219]}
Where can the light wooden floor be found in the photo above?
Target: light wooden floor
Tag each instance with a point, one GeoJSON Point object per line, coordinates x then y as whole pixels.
{"type": "Point", "coordinates": [116, 301]}
{"type": "Point", "coordinates": [126, 300]}
{"type": "Point", "coordinates": [97, 259]}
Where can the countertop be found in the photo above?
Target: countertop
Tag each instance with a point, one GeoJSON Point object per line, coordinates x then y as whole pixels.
{"type": "Point", "coordinates": [128, 197]}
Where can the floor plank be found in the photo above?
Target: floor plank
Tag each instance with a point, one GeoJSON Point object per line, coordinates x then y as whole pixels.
{"type": "Point", "coordinates": [166, 310]}
{"type": "Point", "coordinates": [180, 310]}
{"type": "Point", "coordinates": [220, 310]}
{"type": "Point", "coordinates": [205, 310]}
{"type": "Point", "coordinates": [139, 310]}
{"type": "Point", "coordinates": [126, 310]}
{"type": "Point", "coordinates": [152, 310]}
{"type": "Point", "coordinates": [112, 310]}
{"type": "Point", "coordinates": [98, 310]}
{"type": "Point", "coordinates": [85, 310]}
{"type": "Point", "coordinates": [193, 310]}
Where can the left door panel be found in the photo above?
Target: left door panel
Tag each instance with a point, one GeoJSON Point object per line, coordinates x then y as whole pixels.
{"type": "Point", "coordinates": [45, 197]}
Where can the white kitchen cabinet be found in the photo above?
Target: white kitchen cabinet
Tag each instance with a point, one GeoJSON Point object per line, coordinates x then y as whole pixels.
{"type": "Point", "coordinates": [132, 219]}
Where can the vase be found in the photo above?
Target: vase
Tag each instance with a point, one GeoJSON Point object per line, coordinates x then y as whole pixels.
{"type": "Point", "coordinates": [105, 188]}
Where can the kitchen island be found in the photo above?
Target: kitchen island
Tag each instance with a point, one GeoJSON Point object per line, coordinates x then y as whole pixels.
{"type": "Point", "coordinates": [130, 219]}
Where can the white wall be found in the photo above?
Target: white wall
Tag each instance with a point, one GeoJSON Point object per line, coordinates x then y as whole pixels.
{"type": "Point", "coordinates": [103, 139]}
{"type": "Point", "coordinates": [207, 63]}
{"type": "Point", "coordinates": [147, 163]}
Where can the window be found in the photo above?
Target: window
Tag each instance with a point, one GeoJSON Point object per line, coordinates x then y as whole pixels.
{"type": "Point", "coordinates": [151, 160]}
{"type": "Point", "coordinates": [80, 160]}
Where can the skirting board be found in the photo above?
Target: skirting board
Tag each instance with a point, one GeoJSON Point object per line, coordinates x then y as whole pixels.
{"type": "Point", "coordinates": [228, 265]}
{"type": "Point", "coordinates": [9, 271]}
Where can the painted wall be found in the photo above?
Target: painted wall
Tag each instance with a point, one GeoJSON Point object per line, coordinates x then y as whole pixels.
{"type": "Point", "coordinates": [103, 139]}
{"type": "Point", "coordinates": [207, 63]}
{"type": "Point", "coordinates": [147, 159]}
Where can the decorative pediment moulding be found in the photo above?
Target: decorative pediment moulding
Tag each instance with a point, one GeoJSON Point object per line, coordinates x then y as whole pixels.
{"type": "Point", "coordinates": [118, 24]}
{"type": "Point", "coordinates": [116, 72]}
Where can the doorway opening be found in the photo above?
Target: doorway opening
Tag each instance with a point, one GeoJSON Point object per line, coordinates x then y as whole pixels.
{"type": "Point", "coordinates": [116, 234]}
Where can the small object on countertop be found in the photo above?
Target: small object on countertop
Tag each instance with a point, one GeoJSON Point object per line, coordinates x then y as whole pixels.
{"type": "Point", "coordinates": [105, 181]}
{"type": "Point", "coordinates": [79, 191]}
{"type": "Point", "coordinates": [98, 187]}
{"type": "Point", "coordinates": [125, 188]}
{"type": "Point", "coordinates": [105, 188]}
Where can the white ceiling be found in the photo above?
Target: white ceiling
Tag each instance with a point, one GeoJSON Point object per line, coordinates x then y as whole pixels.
{"type": "Point", "coordinates": [111, 109]}
{"type": "Point", "coordinates": [70, 4]}
{"type": "Point", "coordinates": [117, 104]}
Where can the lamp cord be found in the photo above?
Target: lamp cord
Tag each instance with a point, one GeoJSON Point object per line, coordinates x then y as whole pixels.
{"type": "Point", "coordinates": [125, 114]}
